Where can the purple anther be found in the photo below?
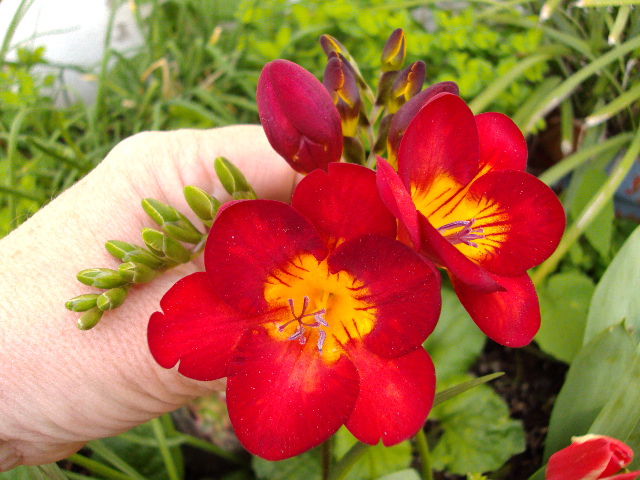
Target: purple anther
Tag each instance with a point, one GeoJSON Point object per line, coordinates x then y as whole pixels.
{"type": "Point", "coordinates": [464, 235]}
{"type": "Point", "coordinates": [299, 332]}
{"type": "Point", "coordinates": [320, 320]}
{"type": "Point", "coordinates": [322, 335]}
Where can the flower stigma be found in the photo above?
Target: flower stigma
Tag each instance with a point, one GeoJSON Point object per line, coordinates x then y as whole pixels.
{"type": "Point", "coordinates": [465, 235]}
{"type": "Point", "coordinates": [299, 333]}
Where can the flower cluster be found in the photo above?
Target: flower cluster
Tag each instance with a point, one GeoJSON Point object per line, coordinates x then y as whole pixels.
{"type": "Point", "coordinates": [316, 311]}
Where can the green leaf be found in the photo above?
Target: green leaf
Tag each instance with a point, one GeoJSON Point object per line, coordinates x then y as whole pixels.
{"type": "Point", "coordinates": [451, 392]}
{"type": "Point", "coordinates": [592, 378]}
{"type": "Point", "coordinates": [600, 231]}
{"type": "Point", "coordinates": [564, 300]}
{"type": "Point", "coordinates": [378, 460]}
{"type": "Point", "coordinates": [41, 472]}
{"type": "Point", "coordinates": [477, 433]}
{"type": "Point", "coordinates": [616, 296]}
{"type": "Point", "coordinates": [305, 465]}
{"type": "Point", "coordinates": [456, 342]}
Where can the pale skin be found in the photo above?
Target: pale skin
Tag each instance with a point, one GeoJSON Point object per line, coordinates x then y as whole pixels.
{"type": "Point", "coordinates": [61, 387]}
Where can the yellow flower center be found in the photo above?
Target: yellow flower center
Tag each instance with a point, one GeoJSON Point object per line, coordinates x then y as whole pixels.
{"type": "Point", "coordinates": [318, 307]}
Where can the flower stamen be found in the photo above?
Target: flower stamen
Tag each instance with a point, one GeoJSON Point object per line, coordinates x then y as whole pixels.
{"type": "Point", "coordinates": [465, 235]}
{"type": "Point", "coordinates": [318, 316]}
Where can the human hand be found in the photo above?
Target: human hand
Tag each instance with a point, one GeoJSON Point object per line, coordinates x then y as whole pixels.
{"type": "Point", "coordinates": [61, 387]}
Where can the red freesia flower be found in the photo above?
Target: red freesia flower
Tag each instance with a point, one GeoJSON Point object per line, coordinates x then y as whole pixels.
{"type": "Point", "coordinates": [591, 457]}
{"type": "Point", "coordinates": [464, 200]}
{"type": "Point", "coordinates": [314, 312]}
{"type": "Point", "coordinates": [299, 117]}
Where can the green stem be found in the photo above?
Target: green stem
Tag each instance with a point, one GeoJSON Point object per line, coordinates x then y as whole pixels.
{"type": "Point", "coordinates": [326, 459]}
{"type": "Point", "coordinates": [342, 468]}
{"type": "Point", "coordinates": [101, 448]}
{"type": "Point", "coordinates": [425, 455]}
{"type": "Point", "coordinates": [97, 467]}
{"type": "Point", "coordinates": [167, 457]}
{"type": "Point", "coordinates": [590, 212]}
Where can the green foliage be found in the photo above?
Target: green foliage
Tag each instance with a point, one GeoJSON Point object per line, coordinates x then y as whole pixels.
{"type": "Point", "coordinates": [304, 466]}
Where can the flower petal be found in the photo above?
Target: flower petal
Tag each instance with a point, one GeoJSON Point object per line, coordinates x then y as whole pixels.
{"type": "Point", "coordinates": [196, 328]}
{"type": "Point", "coordinates": [521, 217]}
{"type": "Point", "coordinates": [396, 395]}
{"type": "Point", "coordinates": [250, 240]}
{"type": "Point", "coordinates": [337, 209]}
{"type": "Point", "coordinates": [283, 398]}
{"type": "Point", "coordinates": [403, 288]}
{"type": "Point", "coordinates": [298, 116]}
{"type": "Point", "coordinates": [510, 317]}
{"type": "Point", "coordinates": [441, 141]}
{"type": "Point", "coordinates": [444, 254]}
{"type": "Point", "coordinates": [402, 118]}
{"type": "Point", "coordinates": [398, 200]}
{"type": "Point", "coordinates": [502, 145]}
{"type": "Point", "coordinates": [589, 457]}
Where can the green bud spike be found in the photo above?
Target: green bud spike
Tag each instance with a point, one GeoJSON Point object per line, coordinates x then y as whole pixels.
{"type": "Point", "coordinates": [171, 221]}
{"type": "Point", "coordinates": [127, 252]}
{"type": "Point", "coordinates": [136, 272]}
{"type": "Point", "coordinates": [101, 278]}
{"type": "Point", "coordinates": [90, 318]}
{"type": "Point", "coordinates": [111, 299]}
{"type": "Point", "coordinates": [232, 179]}
{"type": "Point", "coordinates": [164, 246]}
{"type": "Point", "coordinates": [82, 303]}
{"type": "Point", "coordinates": [203, 205]}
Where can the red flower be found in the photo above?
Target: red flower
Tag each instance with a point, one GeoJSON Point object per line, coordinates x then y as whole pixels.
{"type": "Point", "coordinates": [464, 200]}
{"type": "Point", "coordinates": [299, 117]}
{"type": "Point", "coordinates": [314, 312]}
{"type": "Point", "coordinates": [591, 457]}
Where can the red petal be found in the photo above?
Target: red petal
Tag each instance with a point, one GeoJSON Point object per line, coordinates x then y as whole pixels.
{"type": "Point", "coordinates": [502, 145]}
{"type": "Point", "coordinates": [249, 241]}
{"type": "Point", "coordinates": [510, 317]}
{"type": "Point", "coordinates": [396, 395]}
{"type": "Point", "coordinates": [398, 200]}
{"type": "Point", "coordinates": [402, 118]}
{"type": "Point", "coordinates": [343, 203]}
{"type": "Point", "coordinates": [403, 288]}
{"type": "Point", "coordinates": [589, 457]}
{"type": "Point", "coordinates": [442, 140]}
{"type": "Point", "coordinates": [283, 399]}
{"type": "Point", "coordinates": [443, 253]}
{"type": "Point", "coordinates": [298, 116]}
{"type": "Point", "coordinates": [197, 328]}
{"type": "Point", "coordinates": [522, 218]}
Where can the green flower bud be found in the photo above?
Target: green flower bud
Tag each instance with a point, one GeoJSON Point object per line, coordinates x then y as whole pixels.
{"type": "Point", "coordinates": [82, 303]}
{"type": "Point", "coordinates": [127, 252]}
{"type": "Point", "coordinates": [111, 299]}
{"type": "Point", "coordinates": [136, 272]}
{"type": "Point", "coordinates": [171, 221]}
{"type": "Point", "coordinates": [90, 318]}
{"type": "Point", "coordinates": [164, 246]}
{"type": "Point", "coordinates": [101, 278]}
{"type": "Point", "coordinates": [203, 205]}
{"type": "Point", "coordinates": [232, 179]}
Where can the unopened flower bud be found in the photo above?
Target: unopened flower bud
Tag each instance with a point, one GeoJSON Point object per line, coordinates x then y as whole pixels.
{"type": "Point", "coordinates": [232, 179]}
{"type": "Point", "coordinates": [298, 116]}
{"type": "Point", "coordinates": [111, 299]}
{"type": "Point", "coordinates": [353, 151]}
{"type": "Point", "coordinates": [394, 51]}
{"type": "Point", "coordinates": [203, 205]}
{"type": "Point", "coordinates": [331, 45]}
{"type": "Point", "coordinates": [164, 246]}
{"type": "Point", "coordinates": [171, 221]}
{"type": "Point", "coordinates": [127, 252]}
{"type": "Point", "coordinates": [340, 81]}
{"type": "Point", "coordinates": [408, 84]}
{"type": "Point", "coordinates": [90, 318]}
{"type": "Point", "coordinates": [82, 303]}
{"type": "Point", "coordinates": [136, 272]}
{"type": "Point", "coordinates": [101, 278]}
